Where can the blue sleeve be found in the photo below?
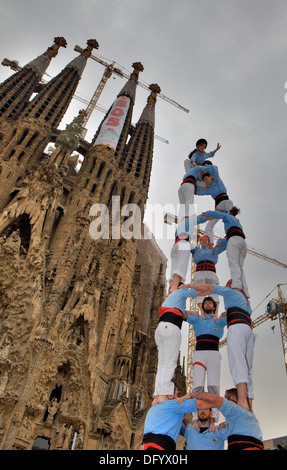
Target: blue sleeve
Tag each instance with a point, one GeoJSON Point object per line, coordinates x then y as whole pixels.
{"type": "Point", "coordinates": [222, 322]}
{"type": "Point", "coordinates": [192, 319]}
{"type": "Point", "coordinates": [221, 290]}
{"type": "Point", "coordinates": [215, 214]}
{"type": "Point", "coordinates": [188, 292]}
{"type": "Point", "coordinates": [224, 432]}
{"type": "Point", "coordinates": [211, 154]}
{"type": "Point", "coordinates": [201, 219]}
{"type": "Point", "coordinates": [229, 409]}
{"type": "Point", "coordinates": [222, 247]}
{"type": "Point", "coordinates": [187, 406]}
{"type": "Point", "coordinates": [227, 294]}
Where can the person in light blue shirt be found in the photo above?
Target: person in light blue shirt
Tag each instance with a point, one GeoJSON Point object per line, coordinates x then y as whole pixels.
{"type": "Point", "coordinates": [240, 340]}
{"type": "Point", "coordinates": [236, 249]}
{"type": "Point", "coordinates": [242, 426]}
{"type": "Point", "coordinates": [180, 252]}
{"type": "Point", "coordinates": [229, 219]}
{"type": "Point", "coordinates": [206, 359]}
{"type": "Point", "coordinates": [205, 257]}
{"type": "Point", "coordinates": [186, 191]}
{"type": "Point", "coordinates": [202, 438]}
{"type": "Point", "coordinates": [188, 186]}
{"type": "Point", "coordinates": [163, 423]}
{"type": "Point", "coordinates": [168, 337]}
{"type": "Point", "coordinates": [215, 187]}
{"type": "Point", "coordinates": [199, 156]}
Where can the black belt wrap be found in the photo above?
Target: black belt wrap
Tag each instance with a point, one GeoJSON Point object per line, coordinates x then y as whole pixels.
{"type": "Point", "coordinates": [221, 197]}
{"type": "Point", "coordinates": [235, 231]}
{"type": "Point", "coordinates": [205, 266]}
{"type": "Point", "coordinates": [189, 179]}
{"type": "Point", "coordinates": [172, 318]}
{"type": "Point", "coordinates": [207, 343]}
{"type": "Point", "coordinates": [161, 440]}
{"type": "Point", "coordinates": [238, 315]}
{"type": "Point", "coordinates": [239, 442]}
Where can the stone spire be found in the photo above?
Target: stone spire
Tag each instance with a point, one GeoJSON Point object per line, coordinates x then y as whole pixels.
{"type": "Point", "coordinates": [51, 103]}
{"type": "Point", "coordinates": [23, 143]}
{"type": "Point", "coordinates": [129, 88]}
{"type": "Point", "coordinates": [114, 129]}
{"type": "Point", "coordinates": [16, 91]}
{"type": "Point", "coordinates": [137, 158]}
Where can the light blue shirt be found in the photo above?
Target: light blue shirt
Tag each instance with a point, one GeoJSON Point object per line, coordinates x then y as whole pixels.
{"type": "Point", "coordinates": [166, 417]}
{"type": "Point", "coordinates": [233, 298]}
{"type": "Point", "coordinates": [216, 187]}
{"type": "Point", "coordinates": [195, 440]}
{"type": "Point", "coordinates": [206, 326]}
{"type": "Point", "coordinates": [240, 421]}
{"type": "Point", "coordinates": [177, 299]}
{"type": "Point", "coordinates": [195, 170]}
{"type": "Point", "coordinates": [208, 254]}
{"type": "Point", "coordinates": [228, 219]}
{"type": "Point", "coordinates": [198, 157]}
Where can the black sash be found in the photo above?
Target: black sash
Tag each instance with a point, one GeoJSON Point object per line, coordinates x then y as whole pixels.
{"type": "Point", "coordinates": [235, 231]}
{"type": "Point", "coordinates": [171, 315]}
{"type": "Point", "coordinates": [207, 343]}
{"type": "Point", "coordinates": [205, 266]}
{"type": "Point", "coordinates": [189, 179]}
{"type": "Point", "coordinates": [220, 197]}
{"type": "Point", "coordinates": [162, 440]}
{"type": "Point", "coordinates": [239, 442]}
{"type": "Point", "coordinates": [237, 315]}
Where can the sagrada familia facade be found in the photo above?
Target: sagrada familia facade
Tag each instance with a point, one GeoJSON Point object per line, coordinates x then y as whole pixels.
{"type": "Point", "coordinates": [77, 312]}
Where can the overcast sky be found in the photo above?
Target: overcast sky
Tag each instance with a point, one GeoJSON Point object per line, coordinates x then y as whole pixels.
{"type": "Point", "coordinates": [225, 61]}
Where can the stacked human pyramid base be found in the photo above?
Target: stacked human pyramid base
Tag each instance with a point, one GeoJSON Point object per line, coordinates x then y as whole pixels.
{"type": "Point", "coordinates": [165, 419]}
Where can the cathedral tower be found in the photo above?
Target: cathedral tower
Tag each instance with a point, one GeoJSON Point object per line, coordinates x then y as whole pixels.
{"type": "Point", "coordinates": [16, 91]}
{"type": "Point", "coordinates": [77, 310]}
{"type": "Point", "coordinates": [24, 139]}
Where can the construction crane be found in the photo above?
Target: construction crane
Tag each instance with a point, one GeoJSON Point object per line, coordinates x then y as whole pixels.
{"type": "Point", "coordinates": [92, 104]}
{"type": "Point", "coordinates": [272, 314]}
{"type": "Point", "coordinates": [121, 74]}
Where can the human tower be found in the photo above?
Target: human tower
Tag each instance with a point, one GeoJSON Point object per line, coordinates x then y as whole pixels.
{"type": "Point", "coordinates": [164, 421]}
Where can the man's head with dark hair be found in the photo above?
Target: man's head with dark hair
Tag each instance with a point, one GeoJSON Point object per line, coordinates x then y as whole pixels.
{"type": "Point", "coordinates": [231, 395]}
{"type": "Point", "coordinates": [234, 211]}
{"type": "Point", "coordinates": [209, 305]}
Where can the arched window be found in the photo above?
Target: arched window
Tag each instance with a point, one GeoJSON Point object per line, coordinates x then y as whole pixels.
{"type": "Point", "coordinates": [23, 226]}
{"type": "Point", "coordinates": [41, 443]}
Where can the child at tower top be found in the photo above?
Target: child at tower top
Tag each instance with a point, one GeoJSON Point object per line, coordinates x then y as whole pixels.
{"type": "Point", "coordinates": [199, 156]}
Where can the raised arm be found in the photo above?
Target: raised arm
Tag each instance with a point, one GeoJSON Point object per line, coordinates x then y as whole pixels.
{"type": "Point", "coordinates": [204, 400]}
{"type": "Point", "coordinates": [200, 287]}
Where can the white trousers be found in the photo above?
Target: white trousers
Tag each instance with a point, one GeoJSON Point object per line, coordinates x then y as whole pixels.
{"type": "Point", "coordinates": [207, 277]}
{"type": "Point", "coordinates": [186, 197]}
{"type": "Point", "coordinates": [240, 348]}
{"type": "Point", "coordinates": [236, 251]}
{"type": "Point", "coordinates": [225, 205]}
{"type": "Point", "coordinates": [168, 341]}
{"type": "Point", "coordinates": [179, 258]}
{"type": "Point", "coordinates": [206, 365]}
